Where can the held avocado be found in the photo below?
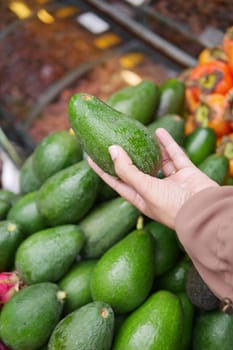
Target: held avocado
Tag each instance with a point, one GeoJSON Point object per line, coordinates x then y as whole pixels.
{"type": "Point", "coordinates": [139, 101]}
{"type": "Point", "coordinates": [99, 126]}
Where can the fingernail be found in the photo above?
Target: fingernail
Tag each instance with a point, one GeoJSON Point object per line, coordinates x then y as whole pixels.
{"type": "Point", "coordinates": [113, 152]}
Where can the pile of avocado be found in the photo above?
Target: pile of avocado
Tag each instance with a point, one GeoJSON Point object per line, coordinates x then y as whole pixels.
{"type": "Point", "coordinates": [96, 273]}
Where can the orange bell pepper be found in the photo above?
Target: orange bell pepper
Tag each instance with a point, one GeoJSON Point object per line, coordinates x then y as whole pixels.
{"type": "Point", "coordinates": [228, 46]}
{"type": "Point", "coordinates": [210, 113]}
{"type": "Point", "coordinates": [209, 78]}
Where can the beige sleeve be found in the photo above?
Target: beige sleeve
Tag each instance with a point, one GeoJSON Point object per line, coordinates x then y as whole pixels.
{"type": "Point", "coordinates": [204, 226]}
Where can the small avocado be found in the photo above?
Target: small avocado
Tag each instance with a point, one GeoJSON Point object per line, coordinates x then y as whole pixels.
{"type": "Point", "coordinates": [56, 151]}
{"type": "Point", "coordinates": [138, 102]}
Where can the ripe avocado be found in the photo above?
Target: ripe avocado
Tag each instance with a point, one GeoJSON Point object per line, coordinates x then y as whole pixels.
{"type": "Point", "coordinates": [198, 292]}
{"type": "Point", "coordinates": [99, 126]}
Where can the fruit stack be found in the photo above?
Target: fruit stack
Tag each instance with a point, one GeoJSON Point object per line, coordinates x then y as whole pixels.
{"type": "Point", "coordinates": [82, 268]}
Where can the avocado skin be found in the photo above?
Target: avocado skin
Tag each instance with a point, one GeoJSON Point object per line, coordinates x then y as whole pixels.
{"type": "Point", "coordinates": [11, 236]}
{"type": "Point", "coordinates": [88, 328]}
{"type": "Point", "coordinates": [138, 102]}
{"type": "Point", "coordinates": [26, 214]}
{"type": "Point", "coordinates": [68, 195]}
{"type": "Point", "coordinates": [123, 276]}
{"type": "Point", "coordinates": [29, 317]}
{"type": "Point", "coordinates": [212, 331]}
{"type": "Point", "coordinates": [28, 180]}
{"type": "Point", "coordinates": [57, 151]}
{"type": "Point", "coordinates": [47, 255]}
{"type": "Point", "coordinates": [98, 126]}
{"type": "Point", "coordinates": [198, 292]}
{"type": "Point", "coordinates": [156, 324]}
{"type": "Point", "coordinates": [216, 167]}
{"type": "Point", "coordinates": [76, 283]}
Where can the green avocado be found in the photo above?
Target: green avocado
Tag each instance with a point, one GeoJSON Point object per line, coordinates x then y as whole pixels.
{"type": "Point", "coordinates": [56, 151]}
{"type": "Point", "coordinates": [138, 102]}
{"type": "Point", "coordinates": [88, 328]}
{"type": "Point", "coordinates": [123, 276]}
{"type": "Point", "coordinates": [167, 250]}
{"type": "Point", "coordinates": [173, 123]}
{"type": "Point", "coordinates": [213, 331]}
{"type": "Point", "coordinates": [28, 179]}
{"type": "Point", "coordinates": [216, 167]}
{"type": "Point", "coordinates": [67, 196]}
{"type": "Point", "coordinates": [47, 255]}
{"type": "Point", "coordinates": [99, 126]}
{"type": "Point", "coordinates": [172, 98]}
{"type": "Point", "coordinates": [29, 317]}
{"type": "Point", "coordinates": [156, 324]}
{"type": "Point", "coordinates": [199, 144]}
{"type": "Point", "coordinates": [11, 236]}
{"type": "Point", "coordinates": [76, 283]}
{"type": "Point", "coordinates": [26, 214]}
{"type": "Point", "coordinates": [106, 224]}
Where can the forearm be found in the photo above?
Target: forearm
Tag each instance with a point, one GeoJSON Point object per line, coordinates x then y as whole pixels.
{"type": "Point", "coordinates": [204, 226]}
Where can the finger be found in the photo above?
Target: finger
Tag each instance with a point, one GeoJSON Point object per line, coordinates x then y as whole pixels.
{"type": "Point", "coordinates": [167, 164]}
{"type": "Point", "coordinates": [174, 151]}
{"type": "Point", "coordinates": [124, 190]}
{"type": "Point", "coordinates": [128, 172]}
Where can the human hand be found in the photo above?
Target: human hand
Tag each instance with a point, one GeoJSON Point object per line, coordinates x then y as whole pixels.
{"type": "Point", "coordinates": [159, 199]}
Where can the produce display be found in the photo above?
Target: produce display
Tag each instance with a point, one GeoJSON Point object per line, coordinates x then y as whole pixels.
{"type": "Point", "coordinates": [82, 268]}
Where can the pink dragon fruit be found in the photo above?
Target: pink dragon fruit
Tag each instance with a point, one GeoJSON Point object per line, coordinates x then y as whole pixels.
{"type": "Point", "coordinates": [10, 283]}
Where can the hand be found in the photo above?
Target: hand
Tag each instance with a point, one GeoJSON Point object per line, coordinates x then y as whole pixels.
{"type": "Point", "coordinates": [159, 199]}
